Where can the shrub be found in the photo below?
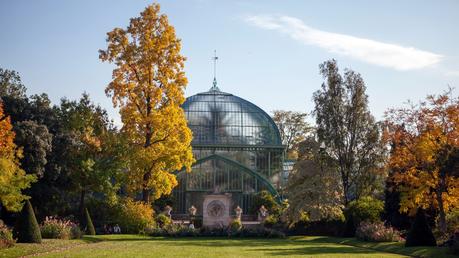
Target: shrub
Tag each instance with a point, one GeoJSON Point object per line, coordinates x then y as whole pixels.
{"type": "Point", "coordinates": [6, 236]}
{"type": "Point", "coordinates": [89, 227]}
{"type": "Point", "coordinates": [235, 226]}
{"type": "Point", "coordinates": [76, 232]}
{"type": "Point", "coordinates": [162, 220]}
{"type": "Point", "coordinates": [180, 231]}
{"type": "Point", "coordinates": [135, 217]}
{"type": "Point", "coordinates": [454, 246]}
{"type": "Point", "coordinates": [173, 231]}
{"type": "Point", "coordinates": [103, 212]}
{"type": "Point", "coordinates": [244, 232]}
{"type": "Point", "coordinates": [213, 231]}
{"type": "Point", "coordinates": [452, 221]}
{"type": "Point", "coordinates": [420, 233]}
{"type": "Point", "coordinates": [377, 232]}
{"type": "Point", "coordinates": [261, 232]}
{"type": "Point", "coordinates": [266, 199]}
{"type": "Point", "coordinates": [270, 221]}
{"type": "Point", "coordinates": [318, 228]}
{"type": "Point", "coordinates": [55, 228]}
{"type": "Point", "coordinates": [27, 229]}
{"type": "Point", "coordinates": [364, 209]}
{"type": "Point", "coordinates": [197, 222]}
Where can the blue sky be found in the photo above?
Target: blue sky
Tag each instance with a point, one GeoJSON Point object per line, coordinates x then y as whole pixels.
{"type": "Point", "coordinates": [269, 51]}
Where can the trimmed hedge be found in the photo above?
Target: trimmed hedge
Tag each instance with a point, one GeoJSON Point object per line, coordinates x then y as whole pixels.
{"type": "Point", "coordinates": [420, 233]}
{"type": "Point", "coordinates": [27, 228]}
{"type": "Point", "coordinates": [89, 227]}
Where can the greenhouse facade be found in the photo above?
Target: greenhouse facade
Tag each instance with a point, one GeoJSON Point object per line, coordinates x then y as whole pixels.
{"type": "Point", "coordinates": [238, 152]}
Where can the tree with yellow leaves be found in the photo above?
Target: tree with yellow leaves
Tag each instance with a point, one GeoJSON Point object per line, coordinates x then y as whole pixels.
{"type": "Point", "coordinates": [148, 86]}
{"type": "Point", "coordinates": [425, 154]}
{"type": "Point", "coordinates": [12, 178]}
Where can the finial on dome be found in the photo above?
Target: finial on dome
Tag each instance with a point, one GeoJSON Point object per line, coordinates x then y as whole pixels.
{"type": "Point", "coordinates": [214, 83]}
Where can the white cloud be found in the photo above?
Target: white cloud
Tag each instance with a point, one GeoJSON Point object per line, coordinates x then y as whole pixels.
{"type": "Point", "coordinates": [367, 50]}
{"type": "Point", "coordinates": [452, 73]}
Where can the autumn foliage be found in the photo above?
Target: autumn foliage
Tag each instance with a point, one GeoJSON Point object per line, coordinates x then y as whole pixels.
{"type": "Point", "coordinates": [424, 141]}
{"type": "Point", "coordinates": [12, 178]}
{"type": "Point", "coordinates": [148, 86]}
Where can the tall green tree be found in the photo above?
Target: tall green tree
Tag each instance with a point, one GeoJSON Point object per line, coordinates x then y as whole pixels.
{"type": "Point", "coordinates": [348, 131]}
{"type": "Point", "coordinates": [148, 86]}
{"type": "Point", "coordinates": [97, 159]}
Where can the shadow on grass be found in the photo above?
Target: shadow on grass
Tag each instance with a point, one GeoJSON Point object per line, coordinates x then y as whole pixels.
{"type": "Point", "coordinates": [273, 247]}
{"type": "Point", "coordinates": [210, 241]}
{"type": "Point", "coordinates": [106, 238]}
{"type": "Point", "coordinates": [314, 250]}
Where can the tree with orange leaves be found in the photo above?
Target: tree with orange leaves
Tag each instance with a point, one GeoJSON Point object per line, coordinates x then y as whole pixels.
{"type": "Point", "coordinates": [424, 157]}
{"type": "Point", "coordinates": [12, 178]}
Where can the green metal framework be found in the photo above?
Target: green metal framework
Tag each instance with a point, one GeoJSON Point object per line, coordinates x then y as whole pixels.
{"type": "Point", "coordinates": [238, 150]}
{"type": "Point", "coordinates": [244, 169]}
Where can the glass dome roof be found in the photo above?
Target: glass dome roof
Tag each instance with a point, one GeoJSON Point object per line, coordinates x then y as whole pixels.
{"type": "Point", "coordinates": [219, 118]}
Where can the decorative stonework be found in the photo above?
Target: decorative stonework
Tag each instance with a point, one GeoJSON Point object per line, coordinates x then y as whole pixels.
{"type": "Point", "coordinates": [262, 213]}
{"type": "Point", "coordinates": [216, 210]}
{"type": "Point", "coordinates": [238, 212]}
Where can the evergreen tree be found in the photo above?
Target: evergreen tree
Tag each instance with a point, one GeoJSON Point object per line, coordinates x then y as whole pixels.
{"type": "Point", "coordinates": [89, 227]}
{"type": "Point", "coordinates": [420, 233]}
{"type": "Point", "coordinates": [27, 229]}
{"type": "Point", "coordinates": [392, 212]}
{"type": "Point", "coordinates": [349, 227]}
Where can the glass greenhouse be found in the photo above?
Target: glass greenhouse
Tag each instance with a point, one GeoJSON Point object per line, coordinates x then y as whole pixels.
{"type": "Point", "coordinates": [238, 150]}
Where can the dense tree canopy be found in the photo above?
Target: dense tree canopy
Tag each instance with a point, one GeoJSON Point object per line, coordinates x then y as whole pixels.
{"type": "Point", "coordinates": [73, 148]}
{"type": "Point", "coordinates": [148, 85]}
{"type": "Point", "coordinates": [36, 142]}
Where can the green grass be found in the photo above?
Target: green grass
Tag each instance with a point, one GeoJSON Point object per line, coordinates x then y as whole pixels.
{"type": "Point", "coordinates": [143, 246]}
{"type": "Point", "coordinates": [47, 245]}
{"type": "Point", "coordinates": [399, 248]}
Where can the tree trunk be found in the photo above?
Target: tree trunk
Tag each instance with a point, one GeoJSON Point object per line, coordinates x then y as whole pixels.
{"type": "Point", "coordinates": [145, 190]}
{"type": "Point", "coordinates": [147, 175]}
{"type": "Point", "coordinates": [442, 215]}
{"type": "Point", "coordinates": [344, 180]}
{"type": "Point", "coordinates": [82, 197]}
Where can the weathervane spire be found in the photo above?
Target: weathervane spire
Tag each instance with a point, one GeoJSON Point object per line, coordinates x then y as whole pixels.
{"type": "Point", "coordinates": [214, 84]}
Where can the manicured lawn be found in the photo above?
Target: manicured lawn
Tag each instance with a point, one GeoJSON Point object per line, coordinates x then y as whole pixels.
{"type": "Point", "coordinates": [141, 246]}
{"type": "Point", "coordinates": [47, 245]}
